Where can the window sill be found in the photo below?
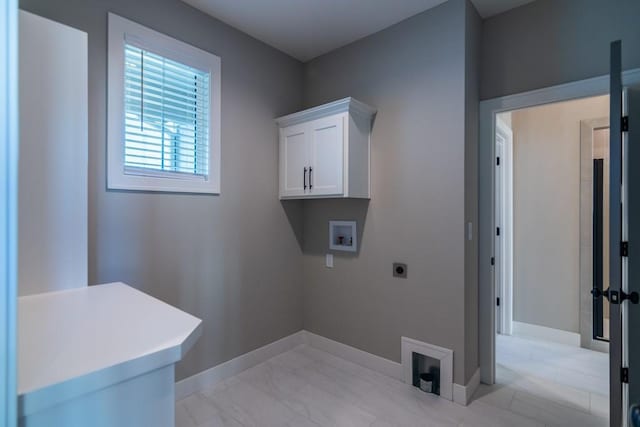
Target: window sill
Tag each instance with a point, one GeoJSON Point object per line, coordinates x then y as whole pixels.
{"type": "Point", "coordinates": [130, 182]}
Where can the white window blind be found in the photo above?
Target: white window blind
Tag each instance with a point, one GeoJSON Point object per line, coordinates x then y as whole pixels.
{"type": "Point", "coordinates": [166, 114]}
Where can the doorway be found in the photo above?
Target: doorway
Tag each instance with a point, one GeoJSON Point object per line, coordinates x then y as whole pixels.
{"type": "Point", "coordinates": [624, 198]}
{"type": "Point", "coordinates": [544, 215]}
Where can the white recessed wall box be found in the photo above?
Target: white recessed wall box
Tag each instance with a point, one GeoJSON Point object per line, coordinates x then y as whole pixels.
{"type": "Point", "coordinates": [342, 236]}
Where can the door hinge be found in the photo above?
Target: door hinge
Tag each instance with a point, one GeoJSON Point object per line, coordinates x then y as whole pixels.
{"type": "Point", "coordinates": [624, 375]}
{"type": "Point", "coordinates": [493, 261]}
{"type": "Point", "coordinates": [497, 161]}
{"type": "Point", "coordinates": [497, 231]}
{"type": "Point", "coordinates": [624, 249]}
{"type": "Point", "coordinates": [498, 301]}
{"type": "Point", "coordinates": [625, 124]}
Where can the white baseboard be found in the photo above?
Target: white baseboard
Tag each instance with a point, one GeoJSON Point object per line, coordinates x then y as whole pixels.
{"type": "Point", "coordinates": [371, 361]}
{"type": "Point", "coordinates": [213, 376]}
{"type": "Point", "coordinates": [459, 394]}
{"type": "Point", "coordinates": [462, 394]}
{"type": "Point", "coordinates": [529, 330]}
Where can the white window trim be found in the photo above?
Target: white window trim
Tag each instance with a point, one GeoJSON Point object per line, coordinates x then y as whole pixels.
{"type": "Point", "coordinates": [120, 31]}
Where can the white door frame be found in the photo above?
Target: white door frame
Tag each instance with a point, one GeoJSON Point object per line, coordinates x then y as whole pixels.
{"type": "Point", "coordinates": [504, 220]}
{"type": "Point", "coordinates": [587, 128]}
{"type": "Point", "coordinates": [8, 208]}
{"type": "Point", "coordinates": [488, 109]}
{"type": "Point", "coordinates": [498, 256]}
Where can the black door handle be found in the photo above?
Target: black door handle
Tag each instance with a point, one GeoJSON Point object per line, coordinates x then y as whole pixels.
{"type": "Point", "coordinates": [633, 297]}
{"type": "Point", "coordinates": [304, 178]}
{"type": "Point", "coordinates": [310, 181]}
{"type": "Point", "coordinates": [616, 297]}
{"type": "Point", "coordinates": [611, 296]}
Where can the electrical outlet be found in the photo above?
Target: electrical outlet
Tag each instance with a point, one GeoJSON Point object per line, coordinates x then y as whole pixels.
{"type": "Point", "coordinates": [400, 270]}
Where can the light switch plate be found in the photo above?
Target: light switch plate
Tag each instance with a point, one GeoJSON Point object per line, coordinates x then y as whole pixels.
{"type": "Point", "coordinates": [329, 260]}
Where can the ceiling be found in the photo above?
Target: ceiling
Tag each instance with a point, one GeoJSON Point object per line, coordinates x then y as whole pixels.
{"type": "Point", "coordinates": [308, 28]}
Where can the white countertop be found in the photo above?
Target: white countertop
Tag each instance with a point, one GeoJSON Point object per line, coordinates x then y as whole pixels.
{"type": "Point", "coordinates": [76, 341]}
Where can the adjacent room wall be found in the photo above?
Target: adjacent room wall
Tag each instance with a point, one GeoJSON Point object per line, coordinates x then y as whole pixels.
{"type": "Point", "coordinates": [549, 42]}
{"type": "Point", "coordinates": [415, 73]}
{"type": "Point", "coordinates": [232, 260]}
{"type": "Point", "coordinates": [546, 198]}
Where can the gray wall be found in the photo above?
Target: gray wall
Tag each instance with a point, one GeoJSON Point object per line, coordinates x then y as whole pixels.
{"type": "Point", "coordinates": [546, 211]}
{"type": "Point", "coordinates": [232, 260]}
{"type": "Point", "coordinates": [472, 90]}
{"type": "Point", "coordinates": [550, 42]}
{"type": "Point", "coordinates": [415, 73]}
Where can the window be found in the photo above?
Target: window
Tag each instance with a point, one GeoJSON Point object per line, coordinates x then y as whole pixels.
{"type": "Point", "coordinates": [166, 109]}
{"type": "Point", "coordinates": [164, 112]}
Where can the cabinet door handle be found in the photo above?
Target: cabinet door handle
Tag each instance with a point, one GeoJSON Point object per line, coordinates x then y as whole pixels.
{"type": "Point", "coordinates": [310, 180]}
{"type": "Point", "coordinates": [304, 178]}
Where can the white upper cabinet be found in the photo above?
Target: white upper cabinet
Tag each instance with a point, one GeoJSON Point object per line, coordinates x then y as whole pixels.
{"type": "Point", "coordinates": [326, 157]}
{"type": "Point", "coordinates": [324, 151]}
{"type": "Point", "coordinates": [294, 154]}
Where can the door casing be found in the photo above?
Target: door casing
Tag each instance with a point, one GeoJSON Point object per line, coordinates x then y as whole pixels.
{"type": "Point", "coordinates": [587, 129]}
{"type": "Point", "coordinates": [486, 157]}
{"type": "Point", "coordinates": [504, 220]}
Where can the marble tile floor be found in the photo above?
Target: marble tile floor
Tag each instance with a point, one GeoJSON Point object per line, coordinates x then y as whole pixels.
{"type": "Point", "coordinates": [308, 387]}
{"type": "Point", "coordinates": [571, 366]}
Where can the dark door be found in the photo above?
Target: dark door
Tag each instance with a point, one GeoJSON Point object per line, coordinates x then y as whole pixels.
{"type": "Point", "coordinates": [624, 277]}
{"type": "Point", "coordinates": [630, 309]}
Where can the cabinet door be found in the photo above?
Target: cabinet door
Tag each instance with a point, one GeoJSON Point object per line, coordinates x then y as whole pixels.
{"type": "Point", "coordinates": [327, 156]}
{"type": "Point", "coordinates": [294, 160]}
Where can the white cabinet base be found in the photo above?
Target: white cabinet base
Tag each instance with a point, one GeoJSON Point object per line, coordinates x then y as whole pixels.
{"type": "Point", "coordinates": [146, 400]}
{"type": "Point", "coordinates": [99, 356]}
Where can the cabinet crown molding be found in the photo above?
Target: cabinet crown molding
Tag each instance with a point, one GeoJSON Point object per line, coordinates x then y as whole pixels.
{"type": "Point", "coordinates": [353, 106]}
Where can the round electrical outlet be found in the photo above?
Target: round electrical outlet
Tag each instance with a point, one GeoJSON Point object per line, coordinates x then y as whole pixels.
{"type": "Point", "coordinates": [399, 270]}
